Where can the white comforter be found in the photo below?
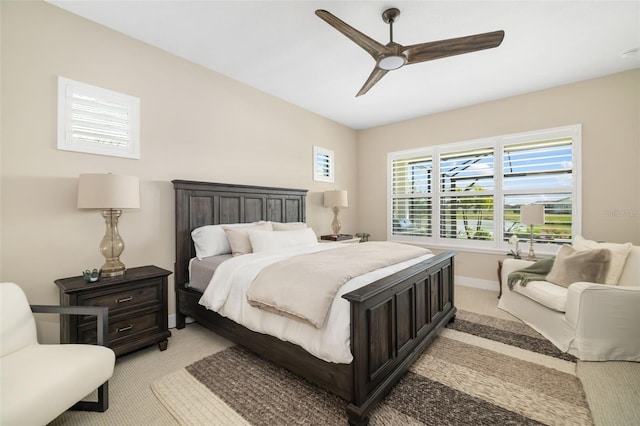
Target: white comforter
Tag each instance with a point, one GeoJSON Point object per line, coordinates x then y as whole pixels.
{"type": "Point", "coordinates": [226, 294]}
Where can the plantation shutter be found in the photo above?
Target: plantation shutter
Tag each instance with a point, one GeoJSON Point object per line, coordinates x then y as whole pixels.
{"type": "Point", "coordinates": [540, 172]}
{"type": "Point", "coordinates": [467, 188]}
{"type": "Point", "coordinates": [96, 120]}
{"type": "Point", "coordinates": [412, 193]}
{"type": "Point", "coordinates": [323, 167]}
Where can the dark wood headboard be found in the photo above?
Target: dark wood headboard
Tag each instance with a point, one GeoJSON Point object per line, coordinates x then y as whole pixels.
{"type": "Point", "coordinates": [206, 203]}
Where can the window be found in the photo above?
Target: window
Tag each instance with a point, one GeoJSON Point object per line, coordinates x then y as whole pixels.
{"type": "Point", "coordinates": [469, 194]}
{"type": "Point", "coordinates": [323, 164]}
{"type": "Point", "coordinates": [97, 121]}
{"type": "Point", "coordinates": [466, 189]}
{"type": "Point", "coordinates": [412, 196]}
{"type": "Point", "coordinates": [540, 172]}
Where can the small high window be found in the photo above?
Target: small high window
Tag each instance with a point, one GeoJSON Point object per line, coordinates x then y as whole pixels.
{"type": "Point", "coordinates": [323, 164]}
{"type": "Point", "coordinates": [97, 121]}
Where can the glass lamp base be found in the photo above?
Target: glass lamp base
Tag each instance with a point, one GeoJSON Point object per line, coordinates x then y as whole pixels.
{"type": "Point", "coordinates": [112, 268]}
{"type": "Point", "coordinates": [110, 274]}
{"type": "Point", "coordinates": [112, 245]}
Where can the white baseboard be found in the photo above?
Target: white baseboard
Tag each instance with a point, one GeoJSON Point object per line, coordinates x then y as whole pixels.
{"type": "Point", "coordinates": [477, 283]}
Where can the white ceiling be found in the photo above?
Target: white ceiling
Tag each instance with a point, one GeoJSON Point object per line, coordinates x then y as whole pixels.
{"type": "Point", "coordinates": [284, 49]}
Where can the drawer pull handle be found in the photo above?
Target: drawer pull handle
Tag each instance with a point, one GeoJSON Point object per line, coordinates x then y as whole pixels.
{"type": "Point", "coordinates": [124, 299]}
{"type": "Point", "coordinates": [127, 328]}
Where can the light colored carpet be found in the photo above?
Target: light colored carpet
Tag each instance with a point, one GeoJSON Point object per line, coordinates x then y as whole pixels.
{"type": "Point", "coordinates": [612, 388]}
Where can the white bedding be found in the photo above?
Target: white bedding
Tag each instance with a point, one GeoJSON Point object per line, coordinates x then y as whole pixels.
{"type": "Point", "coordinates": [226, 294]}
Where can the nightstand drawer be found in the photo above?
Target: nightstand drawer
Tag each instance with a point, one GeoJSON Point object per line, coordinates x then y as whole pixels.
{"type": "Point", "coordinates": [122, 328]}
{"type": "Point", "coordinates": [148, 292]}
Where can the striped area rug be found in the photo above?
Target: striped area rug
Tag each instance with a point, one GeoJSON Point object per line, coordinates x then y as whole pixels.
{"type": "Point", "coordinates": [479, 371]}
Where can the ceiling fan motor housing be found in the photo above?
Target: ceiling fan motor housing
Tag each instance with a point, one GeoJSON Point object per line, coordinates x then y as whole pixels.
{"type": "Point", "coordinates": [392, 61]}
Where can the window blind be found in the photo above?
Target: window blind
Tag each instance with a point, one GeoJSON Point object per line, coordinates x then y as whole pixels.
{"type": "Point", "coordinates": [323, 164]}
{"type": "Point", "coordinates": [539, 172]}
{"type": "Point", "coordinates": [411, 193]}
{"type": "Point", "coordinates": [466, 184]}
{"type": "Point", "coordinates": [97, 121]}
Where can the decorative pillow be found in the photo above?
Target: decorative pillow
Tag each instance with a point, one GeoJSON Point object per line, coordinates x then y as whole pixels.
{"type": "Point", "coordinates": [572, 266]}
{"type": "Point", "coordinates": [261, 240]}
{"type": "Point", "coordinates": [239, 239]}
{"type": "Point", "coordinates": [211, 240]}
{"type": "Point", "coordinates": [289, 226]}
{"type": "Point", "coordinates": [619, 255]}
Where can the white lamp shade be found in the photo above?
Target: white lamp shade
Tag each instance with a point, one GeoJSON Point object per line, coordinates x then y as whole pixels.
{"type": "Point", "coordinates": [532, 214]}
{"type": "Point", "coordinates": [336, 198]}
{"type": "Point", "coordinates": [107, 191]}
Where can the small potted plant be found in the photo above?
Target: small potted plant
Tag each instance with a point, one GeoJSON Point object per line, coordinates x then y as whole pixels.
{"type": "Point", "coordinates": [364, 237]}
{"type": "Point", "coordinates": [515, 252]}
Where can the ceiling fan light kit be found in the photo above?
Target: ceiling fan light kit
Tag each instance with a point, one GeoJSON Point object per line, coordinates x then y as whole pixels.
{"type": "Point", "coordinates": [393, 55]}
{"type": "Point", "coordinates": [391, 62]}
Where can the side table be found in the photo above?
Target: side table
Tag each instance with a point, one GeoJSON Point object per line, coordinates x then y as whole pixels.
{"type": "Point", "coordinates": [349, 241]}
{"type": "Point", "coordinates": [137, 302]}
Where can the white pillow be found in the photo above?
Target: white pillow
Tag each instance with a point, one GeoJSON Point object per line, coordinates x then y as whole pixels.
{"type": "Point", "coordinates": [239, 239]}
{"type": "Point", "coordinates": [261, 240]}
{"type": "Point", "coordinates": [211, 240]}
{"type": "Point", "coordinates": [289, 226]}
{"type": "Point", "coordinates": [619, 254]}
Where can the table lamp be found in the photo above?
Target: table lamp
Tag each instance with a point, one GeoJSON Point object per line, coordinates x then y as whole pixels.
{"type": "Point", "coordinates": [532, 214]}
{"type": "Point", "coordinates": [335, 199]}
{"type": "Point", "coordinates": [110, 194]}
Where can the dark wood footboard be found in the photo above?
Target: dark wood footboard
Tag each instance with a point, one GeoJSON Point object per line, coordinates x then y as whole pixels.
{"type": "Point", "coordinates": [392, 322]}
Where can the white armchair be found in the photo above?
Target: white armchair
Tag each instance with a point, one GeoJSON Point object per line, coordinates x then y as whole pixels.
{"type": "Point", "coordinates": [593, 322]}
{"type": "Point", "coordinates": [40, 382]}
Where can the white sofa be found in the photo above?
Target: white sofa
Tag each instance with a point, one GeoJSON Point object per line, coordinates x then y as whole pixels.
{"type": "Point", "coordinates": [40, 382]}
{"type": "Point", "coordinates": [593, 322]}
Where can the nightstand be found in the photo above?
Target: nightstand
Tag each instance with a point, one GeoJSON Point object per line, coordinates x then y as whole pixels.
{"type": "Point", "coordinates": [137, 303]}
{"type": "Point", "coordinates": [349, 241]}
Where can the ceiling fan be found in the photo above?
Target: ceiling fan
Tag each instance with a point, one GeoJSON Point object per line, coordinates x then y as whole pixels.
{"type": "Point", "coordinates": [393, 55]}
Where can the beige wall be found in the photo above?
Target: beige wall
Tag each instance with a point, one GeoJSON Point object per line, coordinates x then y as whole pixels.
{"type": "Point", "coordinates": [608, 109]}
{"type": "Point", "coordinates": [196, 125]}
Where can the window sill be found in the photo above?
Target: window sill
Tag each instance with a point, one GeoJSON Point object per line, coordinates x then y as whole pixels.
{"type": "Point", "coordinates": [539, 251]}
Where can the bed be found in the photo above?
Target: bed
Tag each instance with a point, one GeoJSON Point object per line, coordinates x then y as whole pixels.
{"type": "Point", "coordinates": [392, 319]}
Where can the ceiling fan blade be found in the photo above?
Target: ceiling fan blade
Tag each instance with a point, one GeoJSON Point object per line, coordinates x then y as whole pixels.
{"type": "Point", "coordinates": [375, 76]}
{"type": "Point", "coordinates": [372, 47]}
{"type": "Point", "coordinates": [453, 46]}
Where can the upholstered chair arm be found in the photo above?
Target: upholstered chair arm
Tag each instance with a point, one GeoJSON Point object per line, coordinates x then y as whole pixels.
{"type": "Point", "coordinates": [605, 316]}
{"type": "Point", "coordinates": [511, 265]}
{"type": "Point", "coordinates": [101, 312]}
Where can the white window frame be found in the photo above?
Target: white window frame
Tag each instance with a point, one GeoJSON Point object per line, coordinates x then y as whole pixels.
{"type": "Point", "coordinates": [323, 164]}
{"type": "Point", "coordinates": [497, 246]}
{"type": "Point", "coordinates": [68, 141]}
